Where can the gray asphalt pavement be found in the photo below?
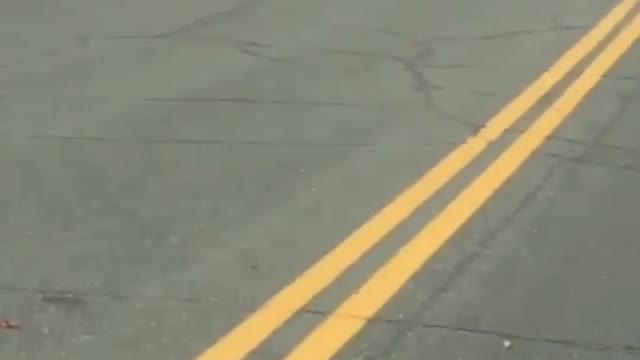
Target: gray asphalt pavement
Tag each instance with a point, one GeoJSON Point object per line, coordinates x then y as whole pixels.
{"type": "Point", "coordinates": [168, 166]}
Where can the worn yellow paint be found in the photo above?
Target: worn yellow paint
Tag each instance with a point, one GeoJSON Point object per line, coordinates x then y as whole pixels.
{"type": "Point", "coordinates": [257, 327]}
{"type": "Point", "coordinates": [349, 318]}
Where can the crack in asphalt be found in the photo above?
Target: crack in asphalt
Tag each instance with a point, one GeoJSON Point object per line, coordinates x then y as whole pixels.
{"type": "Point", "coordinates": [424, 87]}
{"type": "Point", "coordinates": [194, 141]}
{"type": "Point", "coordinates": [80, 296]}
{"type": "Point", "coordinates": [220, 141]}
{"type": "Point", "coordinates": [625, 101]}
{"type": "Point", "coordinates": [593, 163]}
{"type": "Point", "coordinates": [419, 82]}
{"type": "Point", "coordinates": [255, 101]}
{"type": "Point", "coordinates": [253, 49]}
{"type": "Point", "coordinates": [185, 31]}
{"type": "Point", "coordinates": [590, 147]}
{"type": "Point", "coordinates": [508, 33]}
{"type": "Point", "coordinates": [425, 44]}
{"type": "Point", "coordinates": [595, 144]}
{"type": "Point", "coordinates": [622, 77]}
{"type": "Point", "coordinates": [412, 65]}
{"type": "Point", "coordinates": [212, 18]}
{"type": "Point", "coordinates": [501, 335]}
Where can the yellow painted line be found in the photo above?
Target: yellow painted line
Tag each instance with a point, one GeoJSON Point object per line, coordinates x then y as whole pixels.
{"type": "Point", "coordinates": [250, 333]}
{"type": "Point", "coordinates": [350, 317]}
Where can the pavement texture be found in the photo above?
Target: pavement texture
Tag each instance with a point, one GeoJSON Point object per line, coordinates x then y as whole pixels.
{"type": "Point", "coordinates": [168, 166]}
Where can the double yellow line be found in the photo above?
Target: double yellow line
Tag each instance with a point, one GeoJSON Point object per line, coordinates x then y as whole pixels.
{"type": "Point", "coordinates": [328, 338]}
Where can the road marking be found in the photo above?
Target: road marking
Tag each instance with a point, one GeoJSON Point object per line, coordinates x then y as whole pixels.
{"type": "Point", "coordinates": [256, 328]}
{"type": "Point", "coordinates": [350, 317]}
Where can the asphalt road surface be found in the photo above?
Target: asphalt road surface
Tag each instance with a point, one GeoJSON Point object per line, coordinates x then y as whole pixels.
{"type": "Point", "coordinates": [302, 180]}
